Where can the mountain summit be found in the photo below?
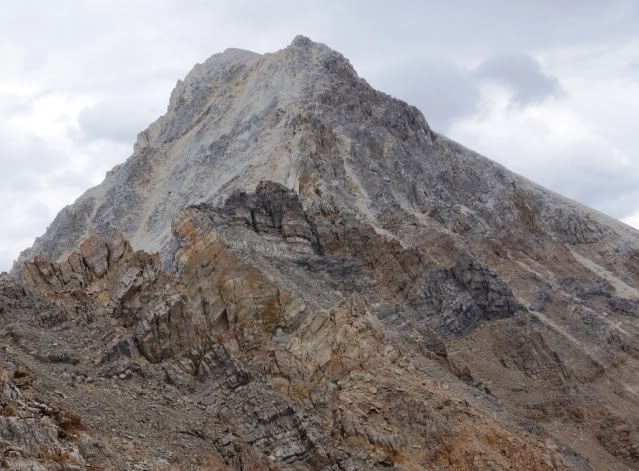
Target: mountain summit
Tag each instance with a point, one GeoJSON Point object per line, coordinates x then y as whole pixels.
{"type": "Point", "coordinates": [294, 271]}
{"type": "Point", "coordinates": [302, 117]}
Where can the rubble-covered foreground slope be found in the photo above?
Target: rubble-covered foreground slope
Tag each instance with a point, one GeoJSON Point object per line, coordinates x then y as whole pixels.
{"type": "Point", "coordinates": [327, 285]}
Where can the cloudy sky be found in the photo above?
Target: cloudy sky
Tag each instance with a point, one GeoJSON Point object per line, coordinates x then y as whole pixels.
{"type": "Point", "coordinates": [548, 88]}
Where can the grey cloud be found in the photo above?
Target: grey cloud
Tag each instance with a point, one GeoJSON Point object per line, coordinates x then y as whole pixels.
{"type": "Point", "coordinates": [459, 27]}
{"type": "Point", "coordinates": [22, 182]}
{"type": "Point", "coordinates": [32, 217]}
{"type": "Point", "coordinates": [6, 261]}
{"type": "Point", "coordinates": [590, 184]}
{"type": "Point", "coordinates": [11, 107]}
{"type": "Point", "coordinates": [441, 90]}
{"type": "Point", "coordinates": [523, 74]}
{"type": "Point", "coordinates": [117, 119]}
{"type": "Point", "coordinates": [73, 181]}
{"type": "Point", "coordinates": [26, 159]}
{"type": "Point", "coordinates": [445, 92]}
{"type": "Point", "coordinates": [580, 170]}
{"type": "Point", "coordinates": [157, 37]}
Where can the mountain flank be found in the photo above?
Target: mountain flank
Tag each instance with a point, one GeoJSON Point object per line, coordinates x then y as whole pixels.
{"type": "Point", "coordinates": [293, 271]}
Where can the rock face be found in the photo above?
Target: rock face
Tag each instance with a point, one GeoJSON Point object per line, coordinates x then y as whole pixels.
{"type": "Point", "coordinates": [293, 271]}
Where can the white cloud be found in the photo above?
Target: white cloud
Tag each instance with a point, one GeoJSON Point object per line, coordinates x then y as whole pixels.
{"type": "Point", "coordinates": [632, 220]}
{"type": "Point", "coordinates": [522, 74]}
{"type": "Point", "coordinates": [44, 166]}
{"type": "Point", "coordinates": [562, 144]}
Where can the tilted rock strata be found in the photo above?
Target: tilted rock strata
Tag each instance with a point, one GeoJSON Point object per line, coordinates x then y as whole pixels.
{"type": "Point", "coordinates": [255, 315]}
{"type": "Point", "coordinates": [286, 377]}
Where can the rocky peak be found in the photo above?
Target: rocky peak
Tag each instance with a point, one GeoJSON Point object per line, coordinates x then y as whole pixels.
{"type": "Point", "coordinates": [292, 267]}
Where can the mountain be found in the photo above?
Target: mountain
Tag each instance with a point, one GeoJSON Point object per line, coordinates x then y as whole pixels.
{"type": "Point", "coordinates": [294, 271]}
